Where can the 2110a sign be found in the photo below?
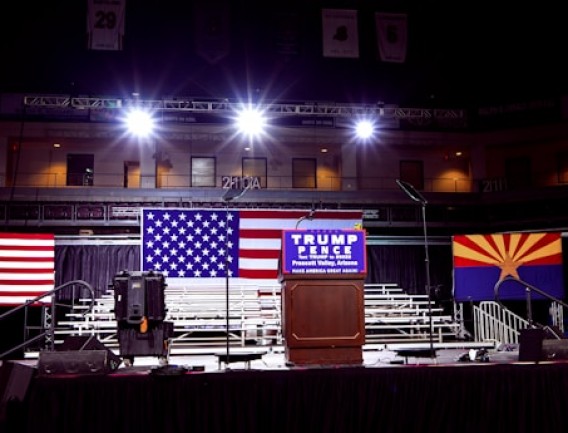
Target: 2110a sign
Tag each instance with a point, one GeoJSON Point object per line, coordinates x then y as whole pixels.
{"type": "Point", "coordinates": [240, 182]}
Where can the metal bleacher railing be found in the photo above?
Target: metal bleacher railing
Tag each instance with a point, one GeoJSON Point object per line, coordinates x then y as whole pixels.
{"type": "Point", "coordinates": [199, 317]}
{"type": "Point", "coordinates": [44, 334]}
{"type": "Point", "coordinates": [494, 322]}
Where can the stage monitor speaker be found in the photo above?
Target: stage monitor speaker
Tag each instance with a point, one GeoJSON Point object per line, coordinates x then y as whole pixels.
{"type": "Point", "coordinates": [79, 355]}
{"type": "Point", "coordinates": [530, 345]}
{"type": "Point", "coordinates": [14, 380]}
{"type": "Point", "coordinates": [554, 349]}
{"type": "Point", "coordinates": [535, 346]}
{"type": "Point", "coordinates": [81, 342]}
{"type": "Point", "coordinates": [75, 362]}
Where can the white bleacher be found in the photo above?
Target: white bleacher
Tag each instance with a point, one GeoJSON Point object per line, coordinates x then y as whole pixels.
{"type": "Point", "coordinates": [200, 320]}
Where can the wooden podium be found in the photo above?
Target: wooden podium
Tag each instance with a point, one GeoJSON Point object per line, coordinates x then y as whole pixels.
{"type": "Point", "coordinates": [323, 318]}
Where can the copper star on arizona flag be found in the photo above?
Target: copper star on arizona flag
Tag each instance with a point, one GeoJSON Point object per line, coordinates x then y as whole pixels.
{"type": "Point", "coordinates": [480, 261]}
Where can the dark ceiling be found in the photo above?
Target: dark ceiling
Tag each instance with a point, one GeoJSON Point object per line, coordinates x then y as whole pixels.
{"type": "Point", "coordinates": [459, 54]}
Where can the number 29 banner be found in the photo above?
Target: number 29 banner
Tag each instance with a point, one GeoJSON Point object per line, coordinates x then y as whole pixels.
{"type": "Point", "coordinates": [105, 24]}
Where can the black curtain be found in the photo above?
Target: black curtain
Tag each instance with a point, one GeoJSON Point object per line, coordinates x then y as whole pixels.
{"type": "Point", "coordinates": [498, 397]}
{"type": "Point", "coordinates": [94, 264]}
{"type": "Point", "coordinates": [401, 264]}
{"type": "Point", "coordinates": [405, 265]}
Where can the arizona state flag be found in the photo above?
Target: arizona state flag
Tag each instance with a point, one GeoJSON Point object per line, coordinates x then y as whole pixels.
{"type": "Point", "coordinates": [480, 261]}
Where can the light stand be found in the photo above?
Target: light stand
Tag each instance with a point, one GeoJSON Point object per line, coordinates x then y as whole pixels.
{"type": "Point", "coordinates": [230, 195]}
{"type": "Point", "coordinates": [411, 192]}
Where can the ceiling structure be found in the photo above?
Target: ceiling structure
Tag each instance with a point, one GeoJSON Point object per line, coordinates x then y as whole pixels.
{"type": "Point", "coordinates": [459, 55]}
{"type": "Point", "coordinates": [225, 107]}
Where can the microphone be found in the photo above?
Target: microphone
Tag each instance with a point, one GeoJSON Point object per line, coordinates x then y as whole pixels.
{"type": "Point", "coordinates": [234, 194]}
{"type": "Point", "coordinates": [309, 217]}
{"type": "Point", "coordinates": [411, 191]}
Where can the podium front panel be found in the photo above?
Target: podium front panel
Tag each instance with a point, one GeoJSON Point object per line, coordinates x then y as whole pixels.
{"type": "Point", "coordinates": [323, 320]}
{"type": "Point", "coordinates": [324, 313]}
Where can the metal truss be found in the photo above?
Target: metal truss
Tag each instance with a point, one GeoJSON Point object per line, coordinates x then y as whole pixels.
{"type": "Point", "coordinates": [226, 107]}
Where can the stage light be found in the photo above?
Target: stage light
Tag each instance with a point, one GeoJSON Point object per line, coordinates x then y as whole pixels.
{"type": "Point", "coordinates": [365, 129]}
{"type": "Point", "coordinates": [141, 126]}
{"type": "Point", "coordinates": [251, 122]}
{"type": "Point", "coordinates": [139, 123]}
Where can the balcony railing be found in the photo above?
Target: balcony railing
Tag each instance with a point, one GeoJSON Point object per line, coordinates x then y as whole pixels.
{"type": "Point", "coordinates": [323, 183]}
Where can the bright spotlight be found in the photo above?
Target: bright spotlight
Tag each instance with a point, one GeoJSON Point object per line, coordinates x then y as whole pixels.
{"type": "Point", "coordinates": [140, 123]}
{"type": "Point", "coordinates": [364, 129]}
{"type": "Point", "coordinates": [251, 122]}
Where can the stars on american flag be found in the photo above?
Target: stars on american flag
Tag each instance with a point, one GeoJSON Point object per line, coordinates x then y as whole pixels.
{"type": "Point", "coordinates": [190, 243]}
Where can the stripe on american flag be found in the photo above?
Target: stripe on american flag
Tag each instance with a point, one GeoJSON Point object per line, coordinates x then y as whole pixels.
{"type": "Point", "coordinates": [192, 243]}
{"type": "Point", "coordinates": [26, 266]}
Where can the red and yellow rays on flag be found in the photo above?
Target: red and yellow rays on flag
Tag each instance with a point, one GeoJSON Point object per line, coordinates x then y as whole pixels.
{"type": "Point", "coordinates": [507, 251]}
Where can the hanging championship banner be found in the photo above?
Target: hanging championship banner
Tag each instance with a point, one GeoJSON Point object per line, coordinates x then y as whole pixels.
{"type": "Point", "coordinates": [391, 36]}
{"type": "Point", "coordinates": [105, 24]}
{"type": "Point", "coordinates": [287, 32]}
{"type": "Point", "coordinates": [211, 29]}
{"type": "Point", "coordinates": [340, 33]}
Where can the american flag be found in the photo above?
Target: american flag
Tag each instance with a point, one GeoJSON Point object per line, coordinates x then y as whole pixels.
{"type": "Point", "coordinates": [26, 267]}
{"type": "Point", "coordinates": [204, 243]}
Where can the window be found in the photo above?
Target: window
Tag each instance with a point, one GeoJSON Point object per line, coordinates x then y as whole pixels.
{"type": "Point", "coordinates": [562, 169]}
{"type": "Point", "coordinates": [203, 171]}
{"type": "Point", "coordinates": [80, 169]}
{"type": "Point", "coordinates": [304, 173]}
{"type": "Point", "coordinates": [131, 174]}
{"type": "Point", "coordinates": [518, 172]}
{"type": "Point", "coordinates": [255, 167]}
{"type": "Point", "coordinates": [413, 173]}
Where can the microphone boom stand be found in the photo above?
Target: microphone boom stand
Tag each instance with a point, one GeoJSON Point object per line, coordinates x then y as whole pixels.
{"type": "Point", "coordinates": [230, 195]}
{"type": "Point", "coordinates": [411, 192]}
{"type": "Point", "coordinates": [309, 217]}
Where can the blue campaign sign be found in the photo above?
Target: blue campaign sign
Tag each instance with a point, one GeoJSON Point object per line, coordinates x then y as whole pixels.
{"type": "Point", "coordinates": [324, 252]}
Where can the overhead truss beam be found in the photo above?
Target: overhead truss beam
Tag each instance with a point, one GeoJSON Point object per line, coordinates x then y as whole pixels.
{"type": "Point", "coordinates": [225, 107]}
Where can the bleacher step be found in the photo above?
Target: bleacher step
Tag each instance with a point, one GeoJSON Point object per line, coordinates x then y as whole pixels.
{"type": "Point", "coordinates": [198, 314]}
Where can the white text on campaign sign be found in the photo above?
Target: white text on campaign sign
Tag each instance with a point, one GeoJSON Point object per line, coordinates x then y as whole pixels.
{"type": "Point", "coordinates": [323, 251]}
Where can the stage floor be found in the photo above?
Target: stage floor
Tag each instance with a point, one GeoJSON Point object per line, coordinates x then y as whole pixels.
{"type": "Point", "coordinates": [274, 358]}
{"type": "Point", "coordinates": [460, 389]}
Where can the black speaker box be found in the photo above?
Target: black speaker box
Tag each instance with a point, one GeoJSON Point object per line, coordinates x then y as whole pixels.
{"type": "Point", "coordinates": [139, 295]}
{"type": "Point", "coordinates": [14, 380]}
{"type": "Point", "coordinates": [80, 342]}
{"type": "Point", "coordinates": [530, 344]}
{"type": "Point", "coordinates": [554, 349]}
{"type": "Point", "coordinates": [534, 346]}
{"type": "Point", "coordinates": [154, 342]}
{"type": "Point", "coordinates": [75, 362]}
{"type": "Point", "coordinates": [78, 355]}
